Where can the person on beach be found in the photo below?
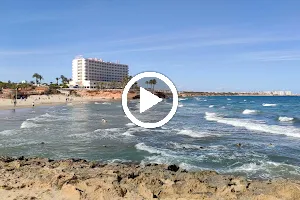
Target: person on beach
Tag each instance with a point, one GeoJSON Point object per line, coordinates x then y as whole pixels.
{"type": "Point", "coordinates": [15, 102]}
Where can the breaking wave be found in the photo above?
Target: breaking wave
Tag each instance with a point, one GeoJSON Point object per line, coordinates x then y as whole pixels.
{"type": "Point", "coordinates": [248, 112]}
{"type": "Point", "coordinates": [143, 147]}
{"type": "Point", "coordinates": [254, 126]}
{"type": "Point", "coordinates": [196, 134]}
{"type": "Point", "coordinates": [182, 99]}
{"type": "Point", "coordinates": [7, 132]}
{"type": "Point", "coordinates": [29, 124]}
{"type": "Point", "coordinates": [285, 119]}
{"type": "Point", "coordinates": [130, 124]}
{"type": "Point", "coordinates": [211, 106]}
{"type": "Point", "coordinates": [269, 104]}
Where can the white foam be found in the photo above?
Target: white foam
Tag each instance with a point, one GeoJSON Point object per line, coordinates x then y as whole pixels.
{"type": "Point", "coordinates": [248, 112]}
{"type": "Point", "coordinates": [130, 124]}
{"type": "Point", "coordinates": [285, 119]}
{"type": "Point", "coordinates": [228, 99]}
{"type": "Point", "coordinates": [127, 133]}
{"type": "Point", "coordinates": [253, 125]}
{"type": "Point", "coordinates": [195, 134]}
{"type": "Point", "coordinates": [46, 117]}
{"type": "Point", "coordinates": [245, 100]}
{"type": "Point", "coordinates": [180, 105]}
{"type": "Point", "coordinates": [97, 103]}
{"type": "Point", "coordinates": [261, 165]}
{"type": "Point", "coordinates": [143, 147]}
{"type": "Point", "coordinates": [106, 103]}
{"type": "Point", "coordinates": [182, 99]}
{"type": "Point", "coordinates": [29, 124]}
{"type": "Point", "coordinates": [7, 132]}
{"type": "Point", "coordinates": [269, 104]}
{"type": "Point", "coordinates": [211, 106]}
{"type": "Point", "coordinates": [187, 166]}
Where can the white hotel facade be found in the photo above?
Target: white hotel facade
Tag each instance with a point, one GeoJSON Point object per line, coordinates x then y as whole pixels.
{"type": "Point", "coordinates": [89, 72]}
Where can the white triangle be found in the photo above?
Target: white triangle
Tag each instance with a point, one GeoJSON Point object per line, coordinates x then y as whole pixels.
{"type": "Point", "coordinates": [147, 100]}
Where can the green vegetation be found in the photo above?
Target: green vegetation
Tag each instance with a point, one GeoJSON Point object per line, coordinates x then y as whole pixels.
{"type": "Point", "coordinates": [38, 78]}
{"type": "Point", "coordinates": [152, 83]}
{"type": "Point", "coordinates": [11, 85]}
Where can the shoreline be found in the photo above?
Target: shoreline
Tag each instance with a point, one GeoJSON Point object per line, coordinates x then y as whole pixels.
{"type": "Point", "coordinates": [43, 178]}
{"type": "Point", "coordinates": [6, 104]}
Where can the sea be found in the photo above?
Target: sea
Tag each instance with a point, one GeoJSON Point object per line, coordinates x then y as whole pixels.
{"type": "Point", "coordinates": [257, 137]}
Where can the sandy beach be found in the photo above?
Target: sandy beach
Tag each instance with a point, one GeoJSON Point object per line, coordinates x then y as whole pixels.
{"type": "Point", "coordinates": [40, 100]}
{"type": "Point", "coordinates": [72, 179]}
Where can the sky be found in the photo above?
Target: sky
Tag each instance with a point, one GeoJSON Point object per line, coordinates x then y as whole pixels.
{"type": "Point", "coordinates": [204, 45]}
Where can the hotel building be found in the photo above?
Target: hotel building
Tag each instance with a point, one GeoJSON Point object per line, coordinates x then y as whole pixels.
{"type": "Point", "coordinates": [89, 72]}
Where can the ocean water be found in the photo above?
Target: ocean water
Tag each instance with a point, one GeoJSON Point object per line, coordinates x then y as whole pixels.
{"type": "Point", "coordinates": [203, 134]}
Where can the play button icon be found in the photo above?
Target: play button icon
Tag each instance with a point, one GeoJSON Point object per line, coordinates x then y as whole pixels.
{"type": "Point", "coordinates": [149, 100]}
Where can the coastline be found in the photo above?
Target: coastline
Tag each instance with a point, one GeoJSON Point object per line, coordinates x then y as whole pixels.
{"type": "Point", "coordinates": [43, 178]}
{"type": "Point", "coordinates": [42, 100]}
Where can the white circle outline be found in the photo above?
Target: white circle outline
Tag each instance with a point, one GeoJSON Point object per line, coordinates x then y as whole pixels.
{"type": "Point", "coordinates": [164, 79]}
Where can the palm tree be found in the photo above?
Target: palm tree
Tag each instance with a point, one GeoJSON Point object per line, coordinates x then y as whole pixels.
{"type": "Point", "coordinates": [64, 79]}
{"type": "Point", "coordinates": [57, 80]}
{"type": "Point", "coordinates": [151, 83]}
{"type": "Point", "coordinates": [147, 83]}
{"type": "Point", "coordinates": [36, 76]}
{"type": "Point", "coordinates": [154, 83]}
{"type": "Point", "coordinates": [40, 78]}
{"type": "Point", "coordinates": [125, 80]}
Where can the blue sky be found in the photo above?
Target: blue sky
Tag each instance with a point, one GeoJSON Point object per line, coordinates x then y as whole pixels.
{"type": "Point", "coordinates": [200, 45]}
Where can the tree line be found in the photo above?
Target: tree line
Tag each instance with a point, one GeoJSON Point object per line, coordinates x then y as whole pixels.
{"type": "Point", "coordinates": [37, 81]}
{"type": "Point", "coordinates": [152, 83]}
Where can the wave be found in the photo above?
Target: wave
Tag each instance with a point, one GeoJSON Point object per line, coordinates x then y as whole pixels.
{"type": "Point", "coordinates": [28, 124]}
{"type": "Point", "coordinates": [46, 117]}
{"type": "Point", "coordinates": [196, 134]}
{"type": "Point", "coordinates": [127, 133]}
{"type": "Point", "coordinates": [285, 119]}
{"type": "Point", "coordinates": [110, 133]}
{"type": "Point", "coordinates": [130, 124]}
{"type": "Point", "coordinates": [97, 103]}
{"type": "Point", "coordinates": [269, 104]}
{"type": "Point", "coordinates": [180, 105]}
{"type": "Point", "coordinates": [265, 169]}
{"type": "Point", "coordinates": [248, 112]}
{"type": "Point", "coordinates": [143, 147]}
{"type": "Point", "coordinates": [228, 99]}
{"type": "Point", "coordinates": [254, 126]}
{"type": "Point", "coordinates": [182, 99]}
{"type": "Point", "coordinates": [211, 106]}
{"type": "Point", "coordinates": [8, 132]}
{"type": "Point", "coordinates": [106, 103]}
{"type": "Point", "coordinates": [245, 100]}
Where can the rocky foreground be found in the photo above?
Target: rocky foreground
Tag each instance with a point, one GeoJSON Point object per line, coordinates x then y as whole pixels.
{"type": "Point", "coordinates": [40, 178]}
